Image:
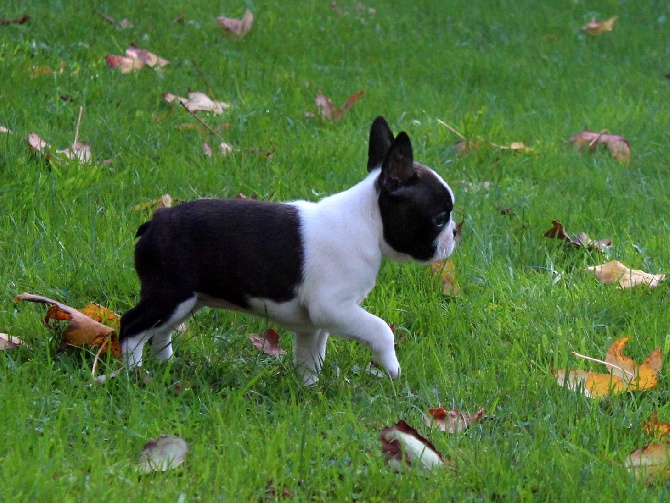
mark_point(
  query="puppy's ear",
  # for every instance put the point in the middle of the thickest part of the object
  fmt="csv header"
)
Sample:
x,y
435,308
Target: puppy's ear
x,y
381,138
398,165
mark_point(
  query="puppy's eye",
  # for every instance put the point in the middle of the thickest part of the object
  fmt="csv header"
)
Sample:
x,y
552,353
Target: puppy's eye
x,y
441,219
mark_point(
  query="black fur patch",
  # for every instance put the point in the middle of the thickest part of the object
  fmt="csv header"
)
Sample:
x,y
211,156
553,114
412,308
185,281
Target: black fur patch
x,y
230,249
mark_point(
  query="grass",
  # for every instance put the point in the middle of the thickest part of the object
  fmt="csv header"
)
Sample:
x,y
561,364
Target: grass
x,y
500,71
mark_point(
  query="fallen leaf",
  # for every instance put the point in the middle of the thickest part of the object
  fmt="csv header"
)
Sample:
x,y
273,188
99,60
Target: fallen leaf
x,y
135,59
403,446
9,342
198,102
237,27
165,201
19,20
82,330
624,374
558,231
78,151
166,453
451,421
617,145
591,384
654,428
267,342
224,149
616,272
447,272
327,109
594,27
3,129
651,463
516,146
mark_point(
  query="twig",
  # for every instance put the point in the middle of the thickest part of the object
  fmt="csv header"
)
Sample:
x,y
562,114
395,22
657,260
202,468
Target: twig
x,y
107,18
200,120
453,130
632,376
96,359
202,76
76,133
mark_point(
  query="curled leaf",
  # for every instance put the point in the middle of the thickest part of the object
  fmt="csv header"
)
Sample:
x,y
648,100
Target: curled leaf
x,y
451,421
237,27
198,102
326,108
558,231
594,27
654,428
403,445
135,59
267,342
82,330
617,145
166,453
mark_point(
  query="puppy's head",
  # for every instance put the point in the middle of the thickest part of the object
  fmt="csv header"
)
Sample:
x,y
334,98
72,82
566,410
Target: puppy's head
x,y
416,204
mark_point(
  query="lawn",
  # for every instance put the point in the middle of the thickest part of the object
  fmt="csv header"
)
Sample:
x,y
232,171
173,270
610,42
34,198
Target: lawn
x,y
496,73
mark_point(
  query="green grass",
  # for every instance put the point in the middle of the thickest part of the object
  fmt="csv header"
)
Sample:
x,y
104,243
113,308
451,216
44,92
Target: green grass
x,y
500,71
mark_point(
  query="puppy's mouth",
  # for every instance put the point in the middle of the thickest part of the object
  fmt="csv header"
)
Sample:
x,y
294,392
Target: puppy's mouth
x,y
447,242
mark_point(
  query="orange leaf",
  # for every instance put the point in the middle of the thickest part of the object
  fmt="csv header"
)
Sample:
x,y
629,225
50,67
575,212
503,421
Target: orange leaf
x,y
653,427
82,330
593,385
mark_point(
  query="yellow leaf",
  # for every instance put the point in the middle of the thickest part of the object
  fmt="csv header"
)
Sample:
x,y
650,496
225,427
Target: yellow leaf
x,y
593,385
616,272
594,27
447,272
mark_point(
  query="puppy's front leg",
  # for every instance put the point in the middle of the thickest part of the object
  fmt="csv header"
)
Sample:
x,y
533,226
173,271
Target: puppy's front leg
x,y
351,321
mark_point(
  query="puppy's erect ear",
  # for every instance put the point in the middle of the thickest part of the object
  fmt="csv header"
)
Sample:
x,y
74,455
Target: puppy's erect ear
x,y
398,165
381,138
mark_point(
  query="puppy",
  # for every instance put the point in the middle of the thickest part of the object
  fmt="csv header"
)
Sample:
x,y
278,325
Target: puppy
x,y
306,266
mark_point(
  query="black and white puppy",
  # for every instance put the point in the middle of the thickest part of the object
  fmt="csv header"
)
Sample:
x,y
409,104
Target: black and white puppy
x,y
306,266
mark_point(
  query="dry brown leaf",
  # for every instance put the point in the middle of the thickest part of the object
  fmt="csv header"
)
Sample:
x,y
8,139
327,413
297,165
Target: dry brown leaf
x,y
224,149
198,102
19,20
78,151
403,446
558,231
9,342
135,59
451,421
326,108
267,342
616,272
594,27
617,145
81,331
237,27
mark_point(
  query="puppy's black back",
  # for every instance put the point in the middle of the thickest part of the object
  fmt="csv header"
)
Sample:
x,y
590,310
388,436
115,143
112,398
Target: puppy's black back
x,y
229,249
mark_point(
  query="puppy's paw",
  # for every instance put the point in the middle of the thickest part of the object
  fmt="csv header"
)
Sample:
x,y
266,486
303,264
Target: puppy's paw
x,y
390,363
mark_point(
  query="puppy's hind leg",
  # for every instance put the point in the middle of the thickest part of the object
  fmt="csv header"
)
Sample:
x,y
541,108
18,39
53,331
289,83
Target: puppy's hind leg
x,y
153,318
309,353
